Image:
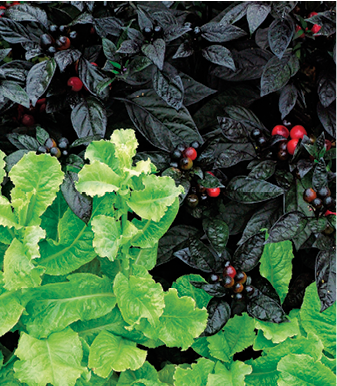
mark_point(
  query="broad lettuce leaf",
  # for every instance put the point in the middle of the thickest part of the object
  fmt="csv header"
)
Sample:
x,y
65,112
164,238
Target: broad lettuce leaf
x,y
10,310
151,203
276,266
19,271
180,322
104,152
298,370
196,375
72,249
55,306
97,179
150,231
322,324
111,352
37,178
2,166
147,371
139,296
30,237
125,146
7,217
234,376
56,360
237,335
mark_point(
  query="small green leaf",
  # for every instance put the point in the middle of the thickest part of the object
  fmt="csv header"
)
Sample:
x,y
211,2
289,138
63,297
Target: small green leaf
x,y
276,266
237,335
55,360
147,371
196,375
185,288
234,376
97,179
10,310
104,152
111,352
7,217
30,237
125,146
151,203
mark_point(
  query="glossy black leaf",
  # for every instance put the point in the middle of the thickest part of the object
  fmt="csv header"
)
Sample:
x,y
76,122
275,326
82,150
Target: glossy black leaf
x,y
234,130
16,70
213,289
236,216
4,52
128,47
144,20
280,34
281,8
26,12
219,313
39,78
85,140
327,116
175,31
175,239
66,57
277,72
264,308
249,65
327,88
320,175
325,274
220,32
209,181
13,32
219,55
14,92
109,49
262,218
256,14
161,124
287,227
263,170
89,118
92,77
303,167
324,243
155,52
79,203
108,26
217,233
245,115
231,157
207,115
261,38
184,50
287,101
194,91
318,224
234,12
201,255
13,158
28,142
248,190
193,261
83,18
169,86
248,254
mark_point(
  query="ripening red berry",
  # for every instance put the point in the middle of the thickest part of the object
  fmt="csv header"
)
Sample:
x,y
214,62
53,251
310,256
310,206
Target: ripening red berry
x,y
41,101
190,152
328,212
93,64
28,120
298,132
210,173
280,130
229,271
309,195
238,287
291,146
186,163
311,14
65,45
75,83
228,282
315,28
240,277
213,192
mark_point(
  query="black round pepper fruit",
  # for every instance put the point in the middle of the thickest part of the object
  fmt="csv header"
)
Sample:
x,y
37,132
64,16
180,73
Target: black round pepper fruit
x,y
176,154
63,143
51,50
214,278
174,164
324,192
238,296
53,28
317,203
328,202
42,150
73,35
195,144
261,141
55,151
192,200
228,282
249,290
255,133
45,41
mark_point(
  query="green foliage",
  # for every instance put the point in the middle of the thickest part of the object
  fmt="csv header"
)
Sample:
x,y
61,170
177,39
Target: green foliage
x,y
80,328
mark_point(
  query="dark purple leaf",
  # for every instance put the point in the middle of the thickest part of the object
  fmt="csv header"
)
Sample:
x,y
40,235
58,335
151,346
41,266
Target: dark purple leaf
x,y
320,175
155,52
263,170
287,100
184,50
280,34
217,233
219,313
234,130
213,289
108,26
325,274
327,88
219,55
26,12
248,254
256,14
327,116
220,32
194,91
66,57
13,32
